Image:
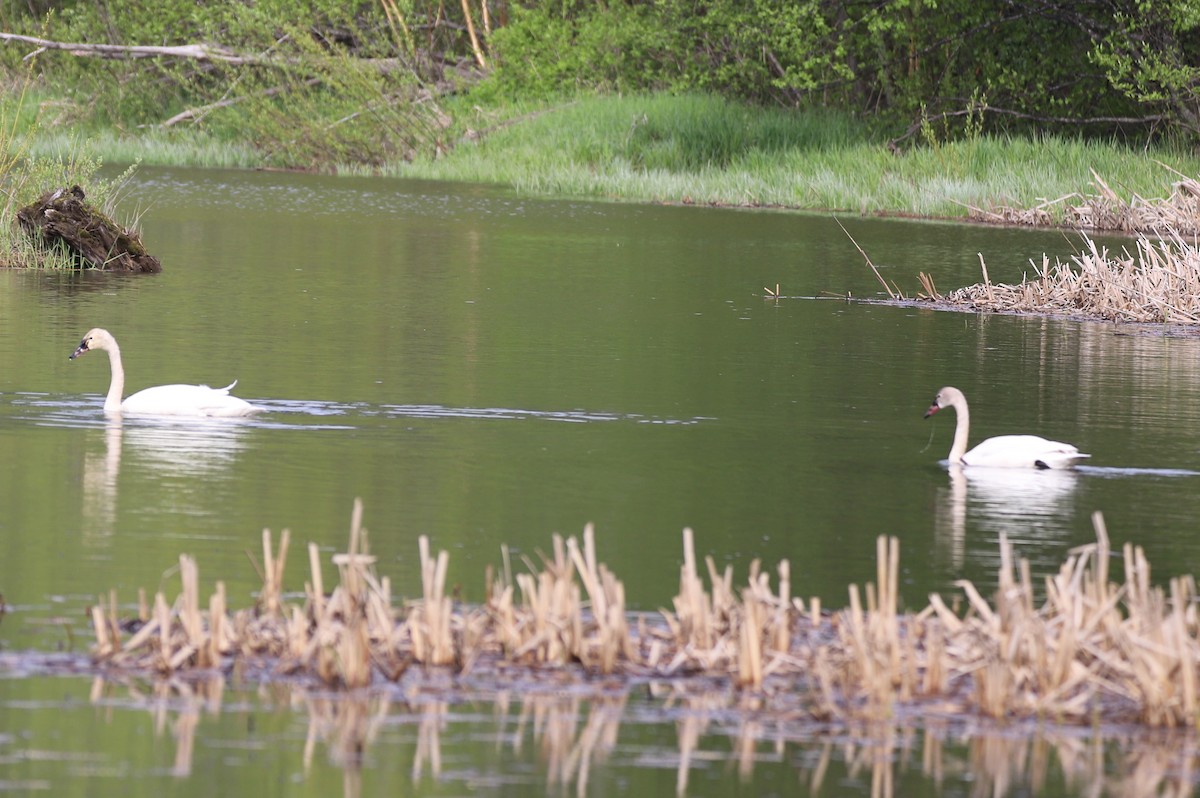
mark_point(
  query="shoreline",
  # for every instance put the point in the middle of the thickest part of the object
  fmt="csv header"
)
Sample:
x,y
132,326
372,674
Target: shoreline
x,y
583,149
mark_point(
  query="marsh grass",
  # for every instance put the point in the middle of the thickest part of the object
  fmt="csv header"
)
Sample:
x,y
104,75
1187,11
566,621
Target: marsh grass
x,y
1157,282
686,149
701,149
190,147
1092,650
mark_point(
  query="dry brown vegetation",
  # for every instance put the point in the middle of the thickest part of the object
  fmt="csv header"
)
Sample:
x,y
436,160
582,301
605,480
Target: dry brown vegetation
x,y
1107,210
1158,282
1092,649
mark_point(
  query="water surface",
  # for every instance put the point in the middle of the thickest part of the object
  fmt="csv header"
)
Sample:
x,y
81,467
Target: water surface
x,y
488,369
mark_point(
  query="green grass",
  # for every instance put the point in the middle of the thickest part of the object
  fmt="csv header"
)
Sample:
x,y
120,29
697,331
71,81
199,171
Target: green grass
x,y
705,150
702,149
152,147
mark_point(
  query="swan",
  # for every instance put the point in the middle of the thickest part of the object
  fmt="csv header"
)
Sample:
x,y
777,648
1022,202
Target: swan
x,y
161,400
1013,451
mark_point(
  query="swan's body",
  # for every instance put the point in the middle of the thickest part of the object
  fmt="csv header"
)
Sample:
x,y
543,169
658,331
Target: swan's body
x,y
162,400
1010,451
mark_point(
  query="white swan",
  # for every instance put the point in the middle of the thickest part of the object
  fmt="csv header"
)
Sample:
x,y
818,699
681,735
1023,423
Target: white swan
x,y
162,400
1012,451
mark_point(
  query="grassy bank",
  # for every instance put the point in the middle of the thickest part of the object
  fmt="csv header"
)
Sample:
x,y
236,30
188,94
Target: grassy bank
x,y
696,149
704,150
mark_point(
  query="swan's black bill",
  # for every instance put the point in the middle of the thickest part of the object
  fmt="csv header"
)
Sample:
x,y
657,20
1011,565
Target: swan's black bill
x,y
82,349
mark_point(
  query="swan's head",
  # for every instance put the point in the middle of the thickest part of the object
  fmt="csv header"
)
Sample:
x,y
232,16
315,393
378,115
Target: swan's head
x,y
95,339
946,397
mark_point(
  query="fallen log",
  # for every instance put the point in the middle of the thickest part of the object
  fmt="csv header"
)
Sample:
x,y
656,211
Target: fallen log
x,y
197,52
61,219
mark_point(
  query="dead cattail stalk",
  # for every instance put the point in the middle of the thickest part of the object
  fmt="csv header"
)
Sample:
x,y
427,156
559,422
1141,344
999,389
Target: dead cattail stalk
x,y
892,293
271,597
1159,283
317,586
1086,647
987,283
429,622
104,643
927,283
750,664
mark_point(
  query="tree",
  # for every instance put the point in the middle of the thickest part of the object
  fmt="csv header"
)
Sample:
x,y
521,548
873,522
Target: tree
x,y
1151,54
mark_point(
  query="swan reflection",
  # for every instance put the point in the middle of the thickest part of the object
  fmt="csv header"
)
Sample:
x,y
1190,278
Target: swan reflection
x,y
99,486
185,447
175,451
1026,504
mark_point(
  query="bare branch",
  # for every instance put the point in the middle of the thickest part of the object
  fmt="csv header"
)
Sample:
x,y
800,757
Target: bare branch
x,y
196,52
1060,120
193,114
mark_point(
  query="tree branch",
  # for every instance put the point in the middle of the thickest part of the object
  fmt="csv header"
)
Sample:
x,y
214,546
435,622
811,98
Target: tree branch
x,y
1059,120
193,114
196,52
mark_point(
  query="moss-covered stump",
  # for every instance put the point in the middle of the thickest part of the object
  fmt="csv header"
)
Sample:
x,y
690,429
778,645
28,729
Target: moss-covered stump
x,y
62,219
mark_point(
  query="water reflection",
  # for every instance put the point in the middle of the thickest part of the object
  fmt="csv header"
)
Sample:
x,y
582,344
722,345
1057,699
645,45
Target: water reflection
x,y
185,447
1029,505
175,451
577,737
99,491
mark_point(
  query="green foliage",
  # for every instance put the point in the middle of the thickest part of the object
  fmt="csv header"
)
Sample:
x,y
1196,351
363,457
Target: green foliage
x,y
322,81
896,60
1152,56
758,51
328,81
543,54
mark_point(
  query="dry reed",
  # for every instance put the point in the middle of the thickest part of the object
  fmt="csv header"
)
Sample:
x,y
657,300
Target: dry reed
x,y
1106,210
1092,649
1158,282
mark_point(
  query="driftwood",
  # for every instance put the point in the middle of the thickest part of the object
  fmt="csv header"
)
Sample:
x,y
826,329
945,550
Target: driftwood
x,y
204,52
196,52
61,219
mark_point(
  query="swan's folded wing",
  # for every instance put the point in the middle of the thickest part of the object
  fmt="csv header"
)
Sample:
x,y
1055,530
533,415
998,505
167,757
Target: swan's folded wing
x,y
187,400
1023,451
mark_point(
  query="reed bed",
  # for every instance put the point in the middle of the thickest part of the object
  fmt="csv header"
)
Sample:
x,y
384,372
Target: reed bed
x,y
1105,209
1159,282
1090,650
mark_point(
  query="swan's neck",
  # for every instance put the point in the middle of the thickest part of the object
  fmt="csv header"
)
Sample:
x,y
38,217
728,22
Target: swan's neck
x,y
112,402
962,427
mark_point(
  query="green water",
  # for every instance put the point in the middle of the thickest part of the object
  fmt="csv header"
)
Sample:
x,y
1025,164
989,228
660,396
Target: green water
x,y
487,369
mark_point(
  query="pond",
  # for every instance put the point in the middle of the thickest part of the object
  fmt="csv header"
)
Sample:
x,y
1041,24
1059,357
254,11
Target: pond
x,y
489,369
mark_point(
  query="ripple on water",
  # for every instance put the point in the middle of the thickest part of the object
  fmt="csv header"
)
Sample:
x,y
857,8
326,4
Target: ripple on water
x,y
60,411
